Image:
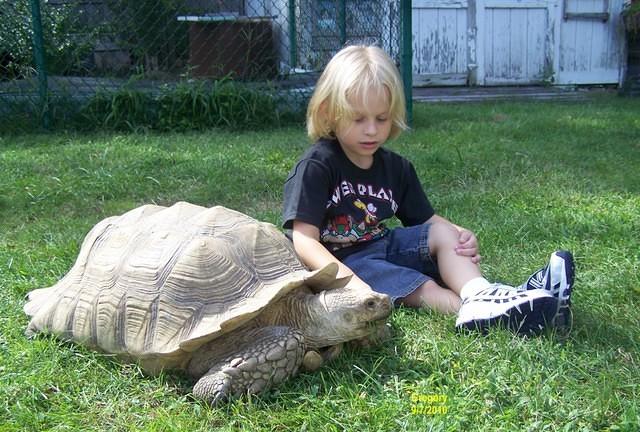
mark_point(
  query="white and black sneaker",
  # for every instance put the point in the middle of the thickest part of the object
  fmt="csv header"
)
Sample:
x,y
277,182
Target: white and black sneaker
x,y
524,312
557,278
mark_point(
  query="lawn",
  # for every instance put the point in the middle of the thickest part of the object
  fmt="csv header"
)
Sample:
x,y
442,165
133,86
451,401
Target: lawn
x,y
527,177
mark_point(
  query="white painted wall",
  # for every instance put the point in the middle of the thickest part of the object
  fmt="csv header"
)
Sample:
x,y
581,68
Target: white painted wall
x,y
590,50
505,42
440,42
514,41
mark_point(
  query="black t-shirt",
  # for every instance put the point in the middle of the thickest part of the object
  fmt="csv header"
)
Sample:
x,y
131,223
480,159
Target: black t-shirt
x,y
348,204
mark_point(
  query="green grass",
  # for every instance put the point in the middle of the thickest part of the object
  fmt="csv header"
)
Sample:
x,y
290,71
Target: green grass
x,y
528,178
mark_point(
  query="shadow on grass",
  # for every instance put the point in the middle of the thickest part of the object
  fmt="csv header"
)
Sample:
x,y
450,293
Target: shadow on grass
x,y
591,331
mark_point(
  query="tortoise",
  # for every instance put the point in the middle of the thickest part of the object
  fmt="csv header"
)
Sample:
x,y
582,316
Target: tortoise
x,y
210,291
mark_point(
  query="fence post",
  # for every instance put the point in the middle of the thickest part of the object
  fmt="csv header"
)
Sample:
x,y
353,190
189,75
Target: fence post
x,y
38,54
407,57
342,21
293,42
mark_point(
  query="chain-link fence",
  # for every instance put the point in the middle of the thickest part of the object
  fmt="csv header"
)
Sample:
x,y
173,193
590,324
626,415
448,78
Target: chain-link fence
x,y
167,64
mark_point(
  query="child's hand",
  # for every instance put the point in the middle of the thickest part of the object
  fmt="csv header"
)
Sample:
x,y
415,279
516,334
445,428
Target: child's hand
x,y
468,246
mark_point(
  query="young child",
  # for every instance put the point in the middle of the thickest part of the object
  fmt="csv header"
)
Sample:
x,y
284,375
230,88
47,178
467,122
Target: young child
x,y
346,185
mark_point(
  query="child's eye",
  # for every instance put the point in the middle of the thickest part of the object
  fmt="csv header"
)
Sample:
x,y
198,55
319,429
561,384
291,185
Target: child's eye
x,y
382,119
358,119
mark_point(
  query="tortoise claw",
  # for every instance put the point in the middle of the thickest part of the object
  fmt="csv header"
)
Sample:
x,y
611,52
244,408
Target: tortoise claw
x,y
312,361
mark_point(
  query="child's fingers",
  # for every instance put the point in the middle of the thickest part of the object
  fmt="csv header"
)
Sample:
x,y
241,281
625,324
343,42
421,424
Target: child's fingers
x,y
468,245
465,236
467,251
467,239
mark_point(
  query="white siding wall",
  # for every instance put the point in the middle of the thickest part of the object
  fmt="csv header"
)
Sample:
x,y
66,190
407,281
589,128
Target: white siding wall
x,y
515,37
590,50
495,42
440,41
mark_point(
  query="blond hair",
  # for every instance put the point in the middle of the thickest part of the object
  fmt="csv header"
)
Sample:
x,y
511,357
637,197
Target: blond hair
x,y
347,80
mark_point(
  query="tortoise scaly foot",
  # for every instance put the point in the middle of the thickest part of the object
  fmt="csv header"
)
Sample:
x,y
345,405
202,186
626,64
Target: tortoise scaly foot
x,y
255,360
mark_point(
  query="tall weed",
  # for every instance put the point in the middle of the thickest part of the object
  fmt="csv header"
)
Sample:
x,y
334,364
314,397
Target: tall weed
x,y
189,105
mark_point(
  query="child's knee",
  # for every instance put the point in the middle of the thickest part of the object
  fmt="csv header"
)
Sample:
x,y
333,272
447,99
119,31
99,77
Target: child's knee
x,y
442,234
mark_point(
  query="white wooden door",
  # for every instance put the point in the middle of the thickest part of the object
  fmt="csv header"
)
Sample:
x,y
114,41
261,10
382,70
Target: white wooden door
x,y
514,41
441,42
590,46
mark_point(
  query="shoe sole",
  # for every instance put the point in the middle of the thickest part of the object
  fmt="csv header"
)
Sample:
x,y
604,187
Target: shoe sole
x,y
520,318
562,318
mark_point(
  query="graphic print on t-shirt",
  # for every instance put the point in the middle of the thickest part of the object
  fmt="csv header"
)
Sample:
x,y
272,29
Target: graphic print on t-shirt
x,y
354,214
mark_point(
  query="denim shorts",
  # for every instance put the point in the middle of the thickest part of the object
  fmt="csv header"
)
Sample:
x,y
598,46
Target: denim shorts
x,y
398,263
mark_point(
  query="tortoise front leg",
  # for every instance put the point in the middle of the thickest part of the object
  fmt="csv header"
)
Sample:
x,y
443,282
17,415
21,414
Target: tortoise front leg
x,y
247,361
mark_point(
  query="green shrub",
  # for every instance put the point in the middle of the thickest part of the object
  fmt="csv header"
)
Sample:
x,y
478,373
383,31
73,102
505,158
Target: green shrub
x,y
186,106
189,105
631,18
67,41
239,106
125,109
17,116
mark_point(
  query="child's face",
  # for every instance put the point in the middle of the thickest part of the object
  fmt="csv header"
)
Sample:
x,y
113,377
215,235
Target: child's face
x,y
363,135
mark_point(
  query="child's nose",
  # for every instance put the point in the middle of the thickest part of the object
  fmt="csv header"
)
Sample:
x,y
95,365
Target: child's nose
x,y
371,128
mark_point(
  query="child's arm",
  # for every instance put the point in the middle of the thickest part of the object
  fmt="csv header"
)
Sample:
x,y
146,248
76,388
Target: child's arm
x,y
306,242
467,241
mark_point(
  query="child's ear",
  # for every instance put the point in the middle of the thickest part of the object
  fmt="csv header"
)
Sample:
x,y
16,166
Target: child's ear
x,y
323,109
328,122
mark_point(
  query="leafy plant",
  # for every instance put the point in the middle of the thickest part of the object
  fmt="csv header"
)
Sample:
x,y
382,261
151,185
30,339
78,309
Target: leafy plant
x,y
126,109
237,105
15,39
189,105
185,106
67,40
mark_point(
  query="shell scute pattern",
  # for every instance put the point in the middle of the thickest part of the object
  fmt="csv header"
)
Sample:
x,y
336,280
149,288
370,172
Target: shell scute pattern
x,y
142,283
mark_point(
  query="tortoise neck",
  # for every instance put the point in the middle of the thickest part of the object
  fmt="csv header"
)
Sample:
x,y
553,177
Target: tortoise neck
x,y
304,311
318,321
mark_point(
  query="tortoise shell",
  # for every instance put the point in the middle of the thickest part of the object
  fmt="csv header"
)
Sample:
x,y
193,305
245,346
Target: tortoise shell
x,y
158,282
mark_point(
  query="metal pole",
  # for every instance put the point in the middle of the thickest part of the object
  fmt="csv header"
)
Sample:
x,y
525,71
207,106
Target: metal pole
x,y
293,48
38,54
342,21
407,57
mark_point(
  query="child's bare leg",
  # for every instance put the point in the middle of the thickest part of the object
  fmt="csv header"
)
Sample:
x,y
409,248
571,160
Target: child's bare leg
x,y
481,308
455,270
435,297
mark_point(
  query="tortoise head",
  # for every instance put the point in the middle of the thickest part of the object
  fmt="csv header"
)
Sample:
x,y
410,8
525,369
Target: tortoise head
x,y
328,310
338,315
